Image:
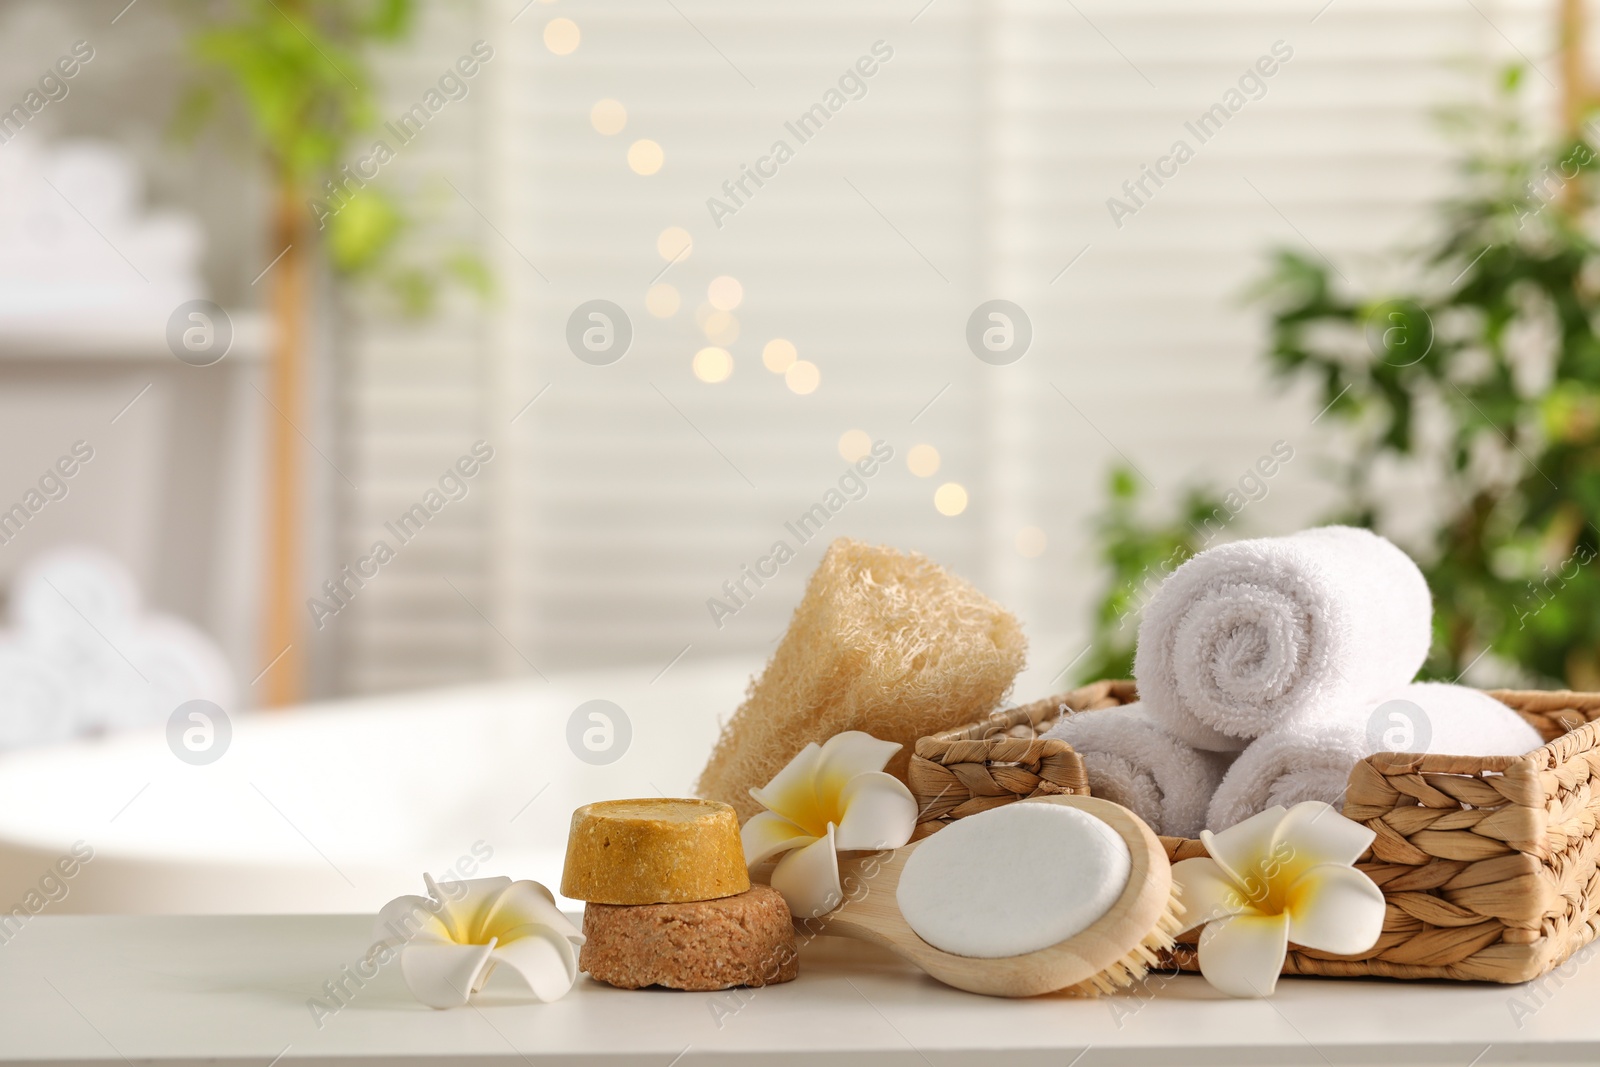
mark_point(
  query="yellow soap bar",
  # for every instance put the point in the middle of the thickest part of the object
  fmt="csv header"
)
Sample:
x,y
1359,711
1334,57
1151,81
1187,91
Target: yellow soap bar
x,y
654,851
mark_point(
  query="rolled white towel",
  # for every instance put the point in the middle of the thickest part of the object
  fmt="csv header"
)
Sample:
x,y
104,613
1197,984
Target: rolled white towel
x,y
1132,761
76,590
1249,636
35,699
1313,761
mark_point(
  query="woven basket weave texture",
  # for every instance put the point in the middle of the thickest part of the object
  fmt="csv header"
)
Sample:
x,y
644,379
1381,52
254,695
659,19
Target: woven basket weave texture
x,y
1487,864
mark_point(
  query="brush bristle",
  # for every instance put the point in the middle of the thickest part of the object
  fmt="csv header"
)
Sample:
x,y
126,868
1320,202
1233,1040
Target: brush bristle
x,y
1132,968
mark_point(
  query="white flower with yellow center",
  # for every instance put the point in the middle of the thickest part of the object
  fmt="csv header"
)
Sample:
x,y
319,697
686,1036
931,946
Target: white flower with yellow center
x,y
831,798
1278,877
451,940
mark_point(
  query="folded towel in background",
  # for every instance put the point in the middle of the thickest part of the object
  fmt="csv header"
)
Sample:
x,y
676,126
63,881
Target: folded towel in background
x,y
1134,762
1312,761
1254,635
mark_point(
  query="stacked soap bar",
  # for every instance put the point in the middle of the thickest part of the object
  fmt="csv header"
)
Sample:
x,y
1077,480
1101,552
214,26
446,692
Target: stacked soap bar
x,y
669,901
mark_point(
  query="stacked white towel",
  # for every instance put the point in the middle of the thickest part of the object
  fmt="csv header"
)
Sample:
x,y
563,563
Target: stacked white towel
x,y
1267,670
1133,761
83,655
1254,635
1312,761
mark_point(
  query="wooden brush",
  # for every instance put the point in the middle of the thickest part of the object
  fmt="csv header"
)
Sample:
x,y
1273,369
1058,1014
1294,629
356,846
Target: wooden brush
x,y
1113,952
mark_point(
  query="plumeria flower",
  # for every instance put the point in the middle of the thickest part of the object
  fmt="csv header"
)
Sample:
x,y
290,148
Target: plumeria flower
x,y
451,940
1277,877
831,798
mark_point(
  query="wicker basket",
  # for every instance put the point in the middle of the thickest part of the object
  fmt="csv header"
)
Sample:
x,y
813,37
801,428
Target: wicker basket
x,y
1487,864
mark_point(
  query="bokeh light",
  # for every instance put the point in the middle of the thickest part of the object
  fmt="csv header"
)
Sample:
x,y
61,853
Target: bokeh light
x,y
713,365
950,498
721,328
645,157
854,445
802,377
1030,542
561,36
923,460
725,292
779,355
608,116
674,244
662,300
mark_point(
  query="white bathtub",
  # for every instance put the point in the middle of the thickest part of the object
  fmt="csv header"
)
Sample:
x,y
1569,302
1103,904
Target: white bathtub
x,y
338,807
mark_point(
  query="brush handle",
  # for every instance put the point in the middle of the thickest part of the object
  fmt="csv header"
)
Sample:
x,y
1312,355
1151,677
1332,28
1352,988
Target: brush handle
x,y
871,913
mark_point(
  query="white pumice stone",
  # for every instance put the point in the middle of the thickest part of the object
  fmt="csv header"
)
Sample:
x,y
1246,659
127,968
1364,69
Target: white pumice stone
x,y
1013,880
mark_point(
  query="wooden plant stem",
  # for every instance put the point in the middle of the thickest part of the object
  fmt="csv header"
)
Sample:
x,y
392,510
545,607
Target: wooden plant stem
x,y
281,630
1571,32
1572,27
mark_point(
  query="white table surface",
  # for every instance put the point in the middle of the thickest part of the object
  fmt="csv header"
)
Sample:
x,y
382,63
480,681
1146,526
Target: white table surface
x,y
234,990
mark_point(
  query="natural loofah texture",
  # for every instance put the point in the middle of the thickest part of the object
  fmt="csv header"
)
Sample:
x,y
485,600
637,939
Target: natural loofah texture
x,y
884,642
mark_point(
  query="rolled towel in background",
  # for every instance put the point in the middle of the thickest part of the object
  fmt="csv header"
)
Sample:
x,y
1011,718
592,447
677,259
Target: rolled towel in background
x,y
1249,636
1134,762
1312,761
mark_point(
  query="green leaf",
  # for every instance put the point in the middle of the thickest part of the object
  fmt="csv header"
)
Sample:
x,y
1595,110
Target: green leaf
x,y
470,269
363,230
391,19
1514,463
415,289
296,76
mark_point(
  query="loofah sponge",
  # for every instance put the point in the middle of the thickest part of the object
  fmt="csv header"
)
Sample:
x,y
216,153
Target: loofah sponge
x,y
883,641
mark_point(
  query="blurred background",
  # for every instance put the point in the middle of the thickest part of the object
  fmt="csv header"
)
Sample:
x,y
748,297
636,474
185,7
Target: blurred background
x,y
573,307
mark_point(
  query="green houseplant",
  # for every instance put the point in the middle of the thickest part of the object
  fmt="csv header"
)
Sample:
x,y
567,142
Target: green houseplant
x,y
293,80
1484,373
